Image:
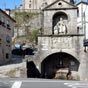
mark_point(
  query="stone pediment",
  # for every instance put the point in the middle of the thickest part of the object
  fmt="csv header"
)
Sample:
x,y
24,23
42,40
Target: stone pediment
x,y
60,5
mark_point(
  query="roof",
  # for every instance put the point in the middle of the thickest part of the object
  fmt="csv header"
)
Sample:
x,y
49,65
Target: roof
x,y
60,0
7,15
82,2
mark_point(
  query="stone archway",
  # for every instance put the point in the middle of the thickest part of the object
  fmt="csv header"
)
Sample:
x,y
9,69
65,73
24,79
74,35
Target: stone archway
x,y
56,61
56,19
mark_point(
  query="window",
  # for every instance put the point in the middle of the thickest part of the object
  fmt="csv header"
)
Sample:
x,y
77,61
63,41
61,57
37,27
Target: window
x,y
3,21
30,1
59,3
8,39
7,55
29,5
0,41
77,13
0,20
77,30
8,24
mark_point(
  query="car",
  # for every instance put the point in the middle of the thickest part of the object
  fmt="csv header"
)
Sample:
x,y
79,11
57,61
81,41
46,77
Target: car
x,y
17,52
28,51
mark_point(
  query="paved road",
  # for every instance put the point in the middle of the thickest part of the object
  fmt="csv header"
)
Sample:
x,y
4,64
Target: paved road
x,y
39,83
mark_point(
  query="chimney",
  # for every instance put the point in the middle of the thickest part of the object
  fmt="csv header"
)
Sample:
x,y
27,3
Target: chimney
x,y
8,11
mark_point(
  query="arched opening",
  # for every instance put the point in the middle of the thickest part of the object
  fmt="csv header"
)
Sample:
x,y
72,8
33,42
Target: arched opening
x,y
54,62
57,17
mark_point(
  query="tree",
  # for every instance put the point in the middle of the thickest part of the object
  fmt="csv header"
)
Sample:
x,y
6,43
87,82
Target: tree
x,y
33,35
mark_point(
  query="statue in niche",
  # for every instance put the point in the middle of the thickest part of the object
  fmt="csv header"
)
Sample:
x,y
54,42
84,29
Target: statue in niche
x,y
60,27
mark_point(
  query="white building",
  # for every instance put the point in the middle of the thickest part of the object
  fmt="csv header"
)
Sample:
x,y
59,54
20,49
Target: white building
x,y
83,17
6,34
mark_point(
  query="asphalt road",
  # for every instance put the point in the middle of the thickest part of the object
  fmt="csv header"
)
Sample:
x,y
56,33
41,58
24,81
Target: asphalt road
x,y
41,83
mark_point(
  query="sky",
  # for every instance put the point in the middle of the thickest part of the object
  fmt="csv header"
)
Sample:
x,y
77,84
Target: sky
x,y
11,4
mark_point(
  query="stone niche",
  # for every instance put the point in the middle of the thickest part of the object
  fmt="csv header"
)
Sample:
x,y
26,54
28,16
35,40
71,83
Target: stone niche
x,y
60,17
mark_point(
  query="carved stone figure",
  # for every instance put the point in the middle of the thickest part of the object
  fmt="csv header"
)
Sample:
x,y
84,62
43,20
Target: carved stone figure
x,y
60,27
56,31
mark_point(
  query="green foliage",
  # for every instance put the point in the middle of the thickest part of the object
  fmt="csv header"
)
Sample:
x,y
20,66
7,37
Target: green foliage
x,y
22,17
33,35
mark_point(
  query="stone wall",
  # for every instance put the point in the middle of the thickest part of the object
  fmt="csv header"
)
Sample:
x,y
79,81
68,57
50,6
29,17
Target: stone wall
x,y
72,45
71,22
14,70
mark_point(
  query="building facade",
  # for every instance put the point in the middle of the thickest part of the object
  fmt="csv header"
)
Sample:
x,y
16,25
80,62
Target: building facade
x,y
6,34
60,44
37,4
83,18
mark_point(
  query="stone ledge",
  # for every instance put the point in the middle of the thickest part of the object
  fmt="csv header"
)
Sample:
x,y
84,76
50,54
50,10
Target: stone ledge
x,y
61,35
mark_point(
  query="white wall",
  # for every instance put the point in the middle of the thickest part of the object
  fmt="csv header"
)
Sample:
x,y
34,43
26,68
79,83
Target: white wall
x,y
79,20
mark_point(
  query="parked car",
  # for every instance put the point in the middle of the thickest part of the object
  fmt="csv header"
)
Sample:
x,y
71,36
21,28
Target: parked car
x,y
17,52
28,51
